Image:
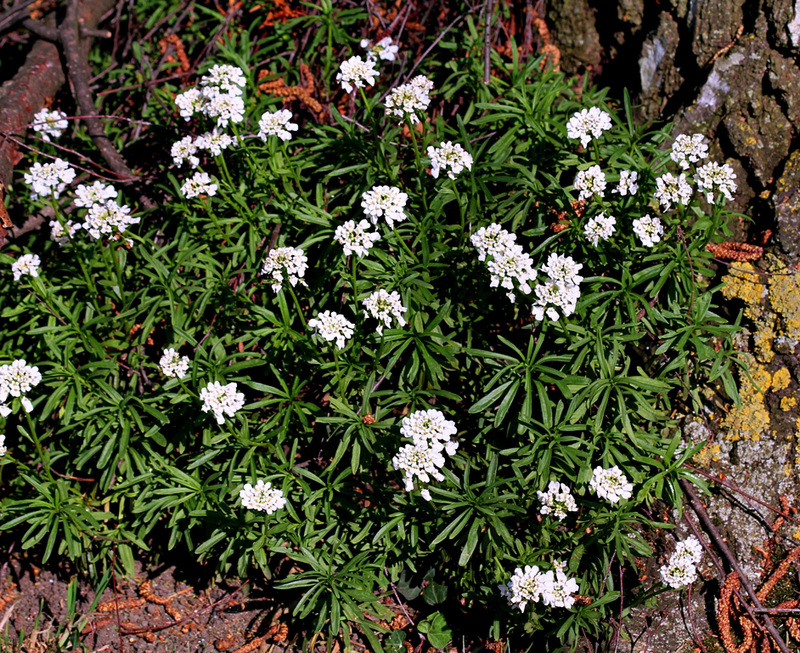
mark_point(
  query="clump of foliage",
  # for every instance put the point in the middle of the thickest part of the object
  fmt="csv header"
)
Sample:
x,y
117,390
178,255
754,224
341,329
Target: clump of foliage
x,y
128,450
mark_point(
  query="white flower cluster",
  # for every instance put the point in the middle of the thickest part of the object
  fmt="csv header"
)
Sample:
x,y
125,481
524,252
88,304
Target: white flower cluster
x,y
600,227
262,497
355,238
385,306
173,364
16,380
509,262
285,263
220,97
198,184
3,448
85,195
552,588
405,100
558,500
383,49
108,218
682,566
60,235
276,123
588,123
423,459
687,149
355,72
49,179
627,183
424,427
214,141
449,156
713,176
590,182
610,484
386,201
185,150
672,190
649,230
333,326
221,400
27,265
561,289
50,123
492,241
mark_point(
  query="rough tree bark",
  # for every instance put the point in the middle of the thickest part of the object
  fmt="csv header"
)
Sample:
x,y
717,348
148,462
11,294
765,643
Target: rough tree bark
x,y
724,68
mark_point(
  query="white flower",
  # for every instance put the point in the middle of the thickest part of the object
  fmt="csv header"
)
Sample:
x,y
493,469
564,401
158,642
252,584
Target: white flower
x,y
50,123
590,182
557,589
672,190
383,48
108,218
356,72
190,102
599,228
85,196
276,123
450,157
688,148
714,176
285,262
16,380
627,183
198,184
649,230
228,79
428,427
405,100
386,201
333,326
385,306
27,265
173,364
559,295
511,264
524,586
49,179
354,238
492,241
262,497
3,448
557,500
419,461
610,484
225,107
213,141
563,269
185,150
59,235
221,400
682,566
588,123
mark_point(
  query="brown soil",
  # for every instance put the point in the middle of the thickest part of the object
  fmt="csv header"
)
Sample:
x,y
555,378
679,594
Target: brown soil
x,y
164,615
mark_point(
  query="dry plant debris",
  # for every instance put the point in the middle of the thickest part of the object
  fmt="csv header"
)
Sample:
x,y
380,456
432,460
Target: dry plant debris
x,y
304,92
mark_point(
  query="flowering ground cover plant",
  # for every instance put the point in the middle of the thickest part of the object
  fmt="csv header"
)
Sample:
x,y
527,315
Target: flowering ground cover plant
x,y
407,347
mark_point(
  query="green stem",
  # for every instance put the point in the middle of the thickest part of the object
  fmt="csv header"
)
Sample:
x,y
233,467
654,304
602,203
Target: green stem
x,y
461,213
39,449
418,160
354,258
222,165
297,306
338,370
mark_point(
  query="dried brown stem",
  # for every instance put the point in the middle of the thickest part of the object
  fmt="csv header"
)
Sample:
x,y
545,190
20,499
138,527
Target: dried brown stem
x,y
694,501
